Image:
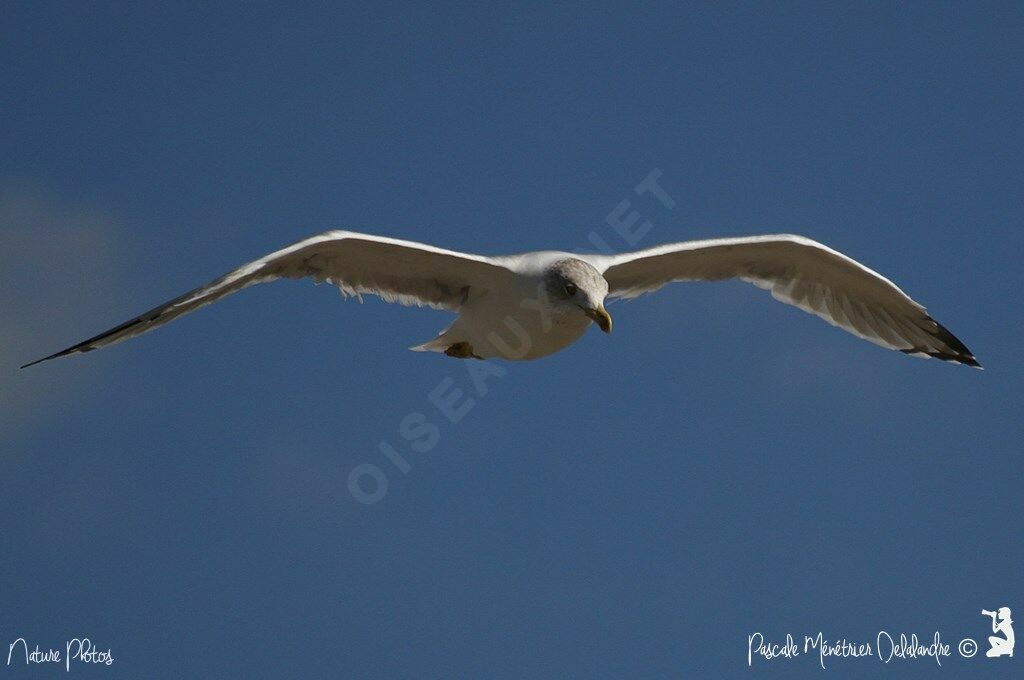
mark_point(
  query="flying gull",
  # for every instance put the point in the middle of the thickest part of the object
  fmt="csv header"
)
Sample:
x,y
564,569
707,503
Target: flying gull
x,y
527,306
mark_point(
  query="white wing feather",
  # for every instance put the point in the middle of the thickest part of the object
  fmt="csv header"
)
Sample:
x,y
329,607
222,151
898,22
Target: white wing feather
x,y
797,271
397,271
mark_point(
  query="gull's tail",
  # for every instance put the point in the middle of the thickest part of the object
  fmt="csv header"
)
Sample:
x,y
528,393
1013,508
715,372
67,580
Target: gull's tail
x,y
442,342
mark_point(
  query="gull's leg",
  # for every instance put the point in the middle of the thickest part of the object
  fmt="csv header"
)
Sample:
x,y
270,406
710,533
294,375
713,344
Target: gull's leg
x,y
461,350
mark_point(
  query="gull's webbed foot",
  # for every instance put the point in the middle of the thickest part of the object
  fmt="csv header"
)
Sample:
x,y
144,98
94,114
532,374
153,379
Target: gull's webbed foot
x,y
461,350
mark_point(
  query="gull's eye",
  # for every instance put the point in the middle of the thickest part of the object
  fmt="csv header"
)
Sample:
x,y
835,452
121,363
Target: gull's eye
x,y
570,289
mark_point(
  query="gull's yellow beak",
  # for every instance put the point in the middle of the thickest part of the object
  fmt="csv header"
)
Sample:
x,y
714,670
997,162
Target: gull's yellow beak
x,y
601,318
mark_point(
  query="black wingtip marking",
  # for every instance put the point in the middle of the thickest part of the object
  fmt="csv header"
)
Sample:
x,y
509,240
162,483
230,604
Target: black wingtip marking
x,y
39,361
90,344
957,352
63,353
75,349
966,360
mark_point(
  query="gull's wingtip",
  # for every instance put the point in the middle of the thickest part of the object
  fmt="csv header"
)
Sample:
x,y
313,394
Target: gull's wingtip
x,y
39,361
962,359
951,348
63,353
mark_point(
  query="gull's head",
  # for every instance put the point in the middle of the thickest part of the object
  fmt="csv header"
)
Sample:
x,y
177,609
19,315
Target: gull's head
x,y
575,287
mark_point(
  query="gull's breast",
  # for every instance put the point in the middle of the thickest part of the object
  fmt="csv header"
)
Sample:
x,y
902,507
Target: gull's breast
x,y
518,325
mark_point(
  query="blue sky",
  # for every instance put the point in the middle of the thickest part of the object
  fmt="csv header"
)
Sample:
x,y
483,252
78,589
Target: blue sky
x,y
635,507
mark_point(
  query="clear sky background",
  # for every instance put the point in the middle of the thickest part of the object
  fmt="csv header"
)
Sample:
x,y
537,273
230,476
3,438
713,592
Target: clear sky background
x,y
633,507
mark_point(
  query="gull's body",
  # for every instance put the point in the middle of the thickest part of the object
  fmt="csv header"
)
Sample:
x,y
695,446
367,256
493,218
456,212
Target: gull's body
x,y
516,321
527,306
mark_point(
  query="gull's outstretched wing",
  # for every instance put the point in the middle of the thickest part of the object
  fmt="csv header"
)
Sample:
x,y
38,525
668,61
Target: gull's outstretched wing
x,y
797,271
397,271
